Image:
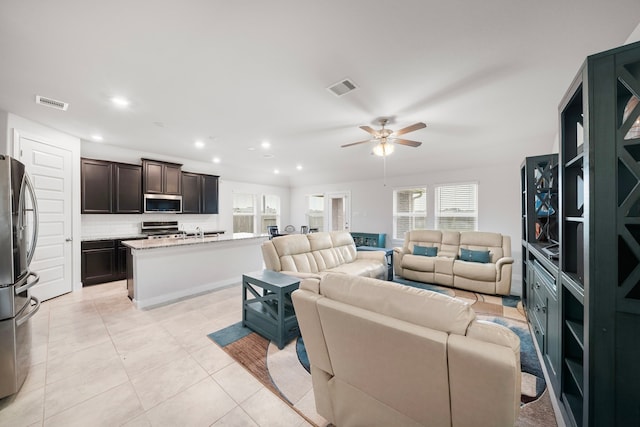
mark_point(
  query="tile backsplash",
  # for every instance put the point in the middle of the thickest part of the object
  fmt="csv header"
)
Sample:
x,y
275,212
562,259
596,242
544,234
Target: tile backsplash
x,y
129,225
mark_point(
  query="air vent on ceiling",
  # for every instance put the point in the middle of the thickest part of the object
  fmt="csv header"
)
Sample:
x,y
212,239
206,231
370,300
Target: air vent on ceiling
x,y
342,87
53,103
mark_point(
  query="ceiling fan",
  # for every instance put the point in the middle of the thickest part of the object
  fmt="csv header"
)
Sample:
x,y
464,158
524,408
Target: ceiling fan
x,y
386,138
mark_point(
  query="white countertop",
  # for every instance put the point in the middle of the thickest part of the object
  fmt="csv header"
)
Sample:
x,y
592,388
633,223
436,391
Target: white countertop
x,y
167,243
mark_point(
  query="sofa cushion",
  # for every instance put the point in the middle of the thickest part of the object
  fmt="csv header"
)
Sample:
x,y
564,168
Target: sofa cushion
x,y
425,250
418,262
474,270
418,306
474,256
361,267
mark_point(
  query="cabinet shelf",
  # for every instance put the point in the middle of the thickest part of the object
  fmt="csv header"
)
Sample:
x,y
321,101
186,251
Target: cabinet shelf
x,y
576,161
577,330
576,370
574,219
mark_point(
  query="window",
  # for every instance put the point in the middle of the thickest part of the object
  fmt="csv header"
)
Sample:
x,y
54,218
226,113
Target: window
x,y
244,212
270,212
315,212
409,210
457,207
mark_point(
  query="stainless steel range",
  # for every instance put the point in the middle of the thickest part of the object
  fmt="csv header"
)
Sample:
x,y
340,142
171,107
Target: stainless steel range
x,y
18,236
161,229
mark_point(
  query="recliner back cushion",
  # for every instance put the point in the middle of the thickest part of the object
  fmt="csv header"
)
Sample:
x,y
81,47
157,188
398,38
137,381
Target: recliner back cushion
x,y
295,253
425,238
483,241
418,306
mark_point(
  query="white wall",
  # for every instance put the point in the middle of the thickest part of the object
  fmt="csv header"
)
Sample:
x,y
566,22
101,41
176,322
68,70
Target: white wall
x,y
372,203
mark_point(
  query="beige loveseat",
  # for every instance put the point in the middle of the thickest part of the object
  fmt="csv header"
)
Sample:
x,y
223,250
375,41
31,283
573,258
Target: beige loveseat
x,y
311,255
493,277
384,354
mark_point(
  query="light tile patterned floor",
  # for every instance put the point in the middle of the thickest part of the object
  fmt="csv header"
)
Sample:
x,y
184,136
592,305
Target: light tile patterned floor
x,y
99,361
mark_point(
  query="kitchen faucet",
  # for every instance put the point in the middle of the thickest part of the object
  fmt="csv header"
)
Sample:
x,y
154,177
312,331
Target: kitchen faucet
x,y
199,232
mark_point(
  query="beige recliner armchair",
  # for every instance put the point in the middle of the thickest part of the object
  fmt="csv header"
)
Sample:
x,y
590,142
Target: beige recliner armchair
x,y
384,354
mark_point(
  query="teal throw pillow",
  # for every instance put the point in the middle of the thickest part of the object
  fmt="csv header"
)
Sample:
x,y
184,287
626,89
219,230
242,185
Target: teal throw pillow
x,y
425,250
475,256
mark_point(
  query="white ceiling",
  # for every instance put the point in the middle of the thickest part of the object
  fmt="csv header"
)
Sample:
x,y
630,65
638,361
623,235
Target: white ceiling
x,y
486,77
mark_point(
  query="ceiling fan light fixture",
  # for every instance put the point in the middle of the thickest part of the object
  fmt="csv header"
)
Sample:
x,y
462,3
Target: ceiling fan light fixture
x,y
383,149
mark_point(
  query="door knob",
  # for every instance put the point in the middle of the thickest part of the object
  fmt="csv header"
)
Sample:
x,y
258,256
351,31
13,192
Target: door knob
x,y
68,239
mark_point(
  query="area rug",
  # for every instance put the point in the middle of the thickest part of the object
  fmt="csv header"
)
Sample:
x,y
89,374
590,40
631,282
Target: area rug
x,y
286,372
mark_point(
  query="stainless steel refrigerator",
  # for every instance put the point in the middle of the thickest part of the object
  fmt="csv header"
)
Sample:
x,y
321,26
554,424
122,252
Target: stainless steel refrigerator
x,y
18,236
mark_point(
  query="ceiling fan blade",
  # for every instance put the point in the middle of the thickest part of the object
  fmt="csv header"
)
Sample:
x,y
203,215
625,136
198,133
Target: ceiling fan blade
x,y
407,142
370,130
355,143
411,128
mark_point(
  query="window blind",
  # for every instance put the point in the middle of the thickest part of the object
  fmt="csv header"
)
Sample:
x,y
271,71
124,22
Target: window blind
x,y
457,207
409,210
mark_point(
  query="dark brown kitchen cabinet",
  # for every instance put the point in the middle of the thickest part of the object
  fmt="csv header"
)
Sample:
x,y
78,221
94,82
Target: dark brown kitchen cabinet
x,y
128,188
161,177
103,261
199,193
191,193
210,194
109,187
96,186
98,261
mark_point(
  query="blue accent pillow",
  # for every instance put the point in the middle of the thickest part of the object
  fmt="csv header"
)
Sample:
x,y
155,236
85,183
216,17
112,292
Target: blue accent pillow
x,y
475,256
425,250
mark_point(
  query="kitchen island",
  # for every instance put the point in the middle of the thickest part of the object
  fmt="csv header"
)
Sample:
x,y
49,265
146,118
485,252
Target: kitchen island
x,y
164,270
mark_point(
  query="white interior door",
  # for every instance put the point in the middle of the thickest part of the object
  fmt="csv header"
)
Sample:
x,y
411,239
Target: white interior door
x,y
339,211
50,169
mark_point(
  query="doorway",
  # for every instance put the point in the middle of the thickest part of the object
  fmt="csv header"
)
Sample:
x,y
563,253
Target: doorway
x,y
339,211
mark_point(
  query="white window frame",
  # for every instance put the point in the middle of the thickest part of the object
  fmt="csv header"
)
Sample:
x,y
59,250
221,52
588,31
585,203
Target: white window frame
x,y
415,217
438,224
318,218
253,214
264,214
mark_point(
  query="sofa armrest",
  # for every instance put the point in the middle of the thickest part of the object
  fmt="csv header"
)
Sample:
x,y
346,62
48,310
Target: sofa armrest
x,y
301,275
399,251
502,261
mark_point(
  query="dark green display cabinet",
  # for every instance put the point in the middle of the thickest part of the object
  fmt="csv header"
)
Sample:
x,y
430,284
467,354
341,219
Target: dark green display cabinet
x,y
599,278
540,254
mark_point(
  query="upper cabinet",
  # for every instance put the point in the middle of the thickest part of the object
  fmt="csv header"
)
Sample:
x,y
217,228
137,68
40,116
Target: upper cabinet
x,y
191,192
199,193
161,177
109,187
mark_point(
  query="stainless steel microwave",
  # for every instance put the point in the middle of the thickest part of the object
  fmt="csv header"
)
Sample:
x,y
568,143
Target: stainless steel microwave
x,y
162,203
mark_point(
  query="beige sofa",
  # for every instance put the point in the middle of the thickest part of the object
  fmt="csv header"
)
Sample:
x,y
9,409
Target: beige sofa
x,y
493,277
384,354
311,255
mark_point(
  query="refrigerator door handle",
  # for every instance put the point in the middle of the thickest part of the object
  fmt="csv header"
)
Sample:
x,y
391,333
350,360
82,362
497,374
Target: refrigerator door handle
x,y
31,313
27,285
34,204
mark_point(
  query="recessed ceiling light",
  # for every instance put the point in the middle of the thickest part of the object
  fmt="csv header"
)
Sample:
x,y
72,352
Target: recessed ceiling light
x,y
276,171
265,144
299,167
268,156
216,160
120,101
251,148
97,137
199,144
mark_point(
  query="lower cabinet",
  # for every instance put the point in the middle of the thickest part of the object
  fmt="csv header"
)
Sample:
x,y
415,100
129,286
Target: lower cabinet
x,y
103,261
544,314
